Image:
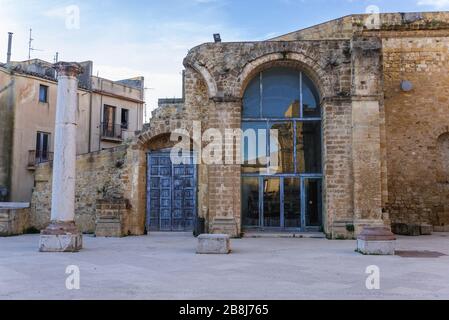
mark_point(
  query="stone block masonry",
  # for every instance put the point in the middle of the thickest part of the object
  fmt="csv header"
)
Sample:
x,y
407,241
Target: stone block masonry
x,y
112,217
214,244
14,219
417,124
102,177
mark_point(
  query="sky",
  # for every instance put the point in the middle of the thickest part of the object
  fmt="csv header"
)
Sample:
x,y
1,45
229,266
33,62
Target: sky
x,y
150,38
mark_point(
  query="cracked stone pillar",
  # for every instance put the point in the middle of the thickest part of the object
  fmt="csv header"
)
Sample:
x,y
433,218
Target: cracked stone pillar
x,y
62,235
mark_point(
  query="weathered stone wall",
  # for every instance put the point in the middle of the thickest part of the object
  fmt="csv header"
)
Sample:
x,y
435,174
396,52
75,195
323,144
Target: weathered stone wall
x,y
416,122
109,174
346,27
215,80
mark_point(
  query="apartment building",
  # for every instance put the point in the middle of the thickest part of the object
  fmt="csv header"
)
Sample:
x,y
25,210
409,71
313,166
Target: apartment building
x,y
109,113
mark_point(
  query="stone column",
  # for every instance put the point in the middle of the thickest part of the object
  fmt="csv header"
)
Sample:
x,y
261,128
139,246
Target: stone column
x,y
367,95
62,235
224,180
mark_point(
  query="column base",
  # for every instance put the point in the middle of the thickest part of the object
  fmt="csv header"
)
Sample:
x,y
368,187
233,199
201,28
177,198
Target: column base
x,y
61,237
376,241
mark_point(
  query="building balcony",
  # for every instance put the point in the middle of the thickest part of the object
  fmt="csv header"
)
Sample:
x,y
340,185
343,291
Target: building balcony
x,y
37,157
112,132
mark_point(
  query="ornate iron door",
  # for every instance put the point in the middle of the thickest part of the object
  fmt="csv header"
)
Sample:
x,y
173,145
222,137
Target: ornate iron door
x,y
171,193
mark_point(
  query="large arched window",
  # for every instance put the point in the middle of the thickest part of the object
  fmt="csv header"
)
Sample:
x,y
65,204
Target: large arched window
x,y
284,100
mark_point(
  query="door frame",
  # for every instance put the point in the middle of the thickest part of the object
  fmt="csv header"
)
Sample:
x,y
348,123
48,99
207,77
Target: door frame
x,y
162,153
302,199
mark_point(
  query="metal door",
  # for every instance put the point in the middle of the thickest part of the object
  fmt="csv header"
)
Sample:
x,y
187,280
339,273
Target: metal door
x,y
171,193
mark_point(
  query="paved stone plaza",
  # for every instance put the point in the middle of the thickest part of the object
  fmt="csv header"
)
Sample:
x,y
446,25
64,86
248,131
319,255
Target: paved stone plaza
x,y
165,266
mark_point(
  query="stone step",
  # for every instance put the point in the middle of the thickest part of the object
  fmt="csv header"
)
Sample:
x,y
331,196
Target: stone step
x,y
287,235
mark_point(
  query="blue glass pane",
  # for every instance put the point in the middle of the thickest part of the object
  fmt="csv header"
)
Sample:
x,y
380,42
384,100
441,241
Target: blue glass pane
x,y
310,98
251,99
43,93
250,202
308,146
255,141
282,148
280,97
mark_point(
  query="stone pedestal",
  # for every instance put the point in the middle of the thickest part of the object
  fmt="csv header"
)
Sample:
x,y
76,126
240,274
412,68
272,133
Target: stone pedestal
x,y
61,237
214,244
110,215
14,218
376,241
62,234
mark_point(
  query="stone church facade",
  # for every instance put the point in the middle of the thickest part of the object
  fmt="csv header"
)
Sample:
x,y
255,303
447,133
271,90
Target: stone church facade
x,y
365,143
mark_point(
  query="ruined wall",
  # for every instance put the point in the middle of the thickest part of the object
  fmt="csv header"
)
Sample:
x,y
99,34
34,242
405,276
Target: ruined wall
x,y
215,80
341,28
6,133
227,68
348,26
416,124
109,174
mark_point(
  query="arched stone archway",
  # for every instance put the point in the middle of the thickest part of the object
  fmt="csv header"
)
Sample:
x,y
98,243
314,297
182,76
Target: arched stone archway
x,y
293,60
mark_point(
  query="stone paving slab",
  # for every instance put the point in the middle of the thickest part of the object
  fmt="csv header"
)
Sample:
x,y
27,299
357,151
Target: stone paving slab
x,y
163,266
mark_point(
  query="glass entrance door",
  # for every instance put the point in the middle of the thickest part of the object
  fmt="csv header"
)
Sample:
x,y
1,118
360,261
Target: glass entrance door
x,y
285,203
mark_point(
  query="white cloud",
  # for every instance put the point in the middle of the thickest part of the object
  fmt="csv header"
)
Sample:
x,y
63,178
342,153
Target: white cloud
x,y
436,4
119,46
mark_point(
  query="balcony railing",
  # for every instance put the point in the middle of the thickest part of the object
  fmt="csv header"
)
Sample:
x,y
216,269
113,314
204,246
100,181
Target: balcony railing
x,y
111,131
36,157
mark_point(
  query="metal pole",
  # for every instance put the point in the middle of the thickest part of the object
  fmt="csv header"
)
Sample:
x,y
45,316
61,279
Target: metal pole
x,y
8,59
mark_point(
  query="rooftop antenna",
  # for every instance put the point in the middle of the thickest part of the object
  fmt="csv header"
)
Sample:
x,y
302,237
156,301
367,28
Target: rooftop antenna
x,y
56,58
8,58
30,45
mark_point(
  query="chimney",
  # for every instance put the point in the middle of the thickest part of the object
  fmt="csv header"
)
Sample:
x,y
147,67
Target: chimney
x,y
8,57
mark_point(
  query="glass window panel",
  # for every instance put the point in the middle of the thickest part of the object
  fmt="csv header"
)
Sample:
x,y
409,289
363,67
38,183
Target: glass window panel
x,y
251,99
292,202
281,94
45,146
250,201
272,203
313,202
310,99
308,147
282,148
43,93
254,147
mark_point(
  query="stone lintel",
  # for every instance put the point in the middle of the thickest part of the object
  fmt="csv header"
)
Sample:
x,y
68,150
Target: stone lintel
x,y
225,99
